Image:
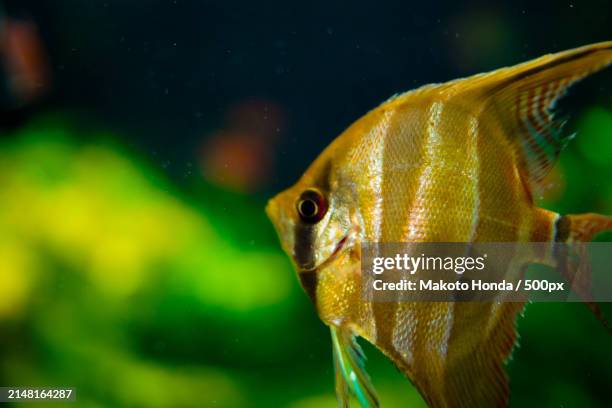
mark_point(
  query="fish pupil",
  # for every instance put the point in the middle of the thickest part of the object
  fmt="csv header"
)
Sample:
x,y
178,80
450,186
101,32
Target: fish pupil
x,y
308,208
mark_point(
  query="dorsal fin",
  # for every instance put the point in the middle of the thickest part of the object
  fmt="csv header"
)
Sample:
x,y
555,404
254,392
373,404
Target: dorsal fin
x,y
524,96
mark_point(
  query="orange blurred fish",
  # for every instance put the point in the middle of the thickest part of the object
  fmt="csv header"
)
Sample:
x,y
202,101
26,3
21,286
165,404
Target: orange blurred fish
x,y
24,58
454,162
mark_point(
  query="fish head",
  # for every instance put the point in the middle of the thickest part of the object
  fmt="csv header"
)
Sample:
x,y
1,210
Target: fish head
x,y
315,220
311,219
321,220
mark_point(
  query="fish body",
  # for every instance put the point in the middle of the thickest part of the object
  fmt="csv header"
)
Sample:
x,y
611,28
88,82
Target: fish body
x,y
453,162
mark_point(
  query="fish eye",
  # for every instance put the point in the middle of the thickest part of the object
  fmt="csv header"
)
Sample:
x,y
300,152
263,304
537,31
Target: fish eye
x,y
311,206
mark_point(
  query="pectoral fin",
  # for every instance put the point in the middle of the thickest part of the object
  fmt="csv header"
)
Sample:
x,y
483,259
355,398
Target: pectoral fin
x,y
349,365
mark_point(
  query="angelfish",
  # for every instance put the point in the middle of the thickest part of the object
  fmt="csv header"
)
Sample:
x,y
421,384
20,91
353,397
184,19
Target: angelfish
x,y
454,162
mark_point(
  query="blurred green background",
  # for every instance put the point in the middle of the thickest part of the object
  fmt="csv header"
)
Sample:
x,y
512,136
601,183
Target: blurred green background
x,y
138,146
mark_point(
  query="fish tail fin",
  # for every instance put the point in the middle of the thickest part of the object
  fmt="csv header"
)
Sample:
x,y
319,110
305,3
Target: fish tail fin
x,y
583,227
575,230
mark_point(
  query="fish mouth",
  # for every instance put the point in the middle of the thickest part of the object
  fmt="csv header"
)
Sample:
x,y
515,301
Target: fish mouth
x,y
309,276
339,246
